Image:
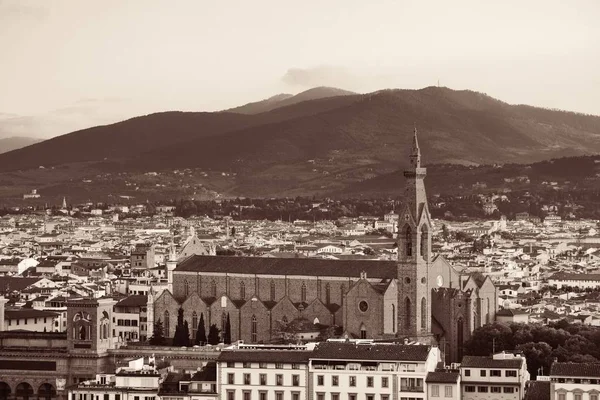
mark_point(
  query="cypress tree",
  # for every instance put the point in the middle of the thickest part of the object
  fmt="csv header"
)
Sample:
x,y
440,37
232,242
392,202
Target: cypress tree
x,y
201,333
158,338
213,334
227,333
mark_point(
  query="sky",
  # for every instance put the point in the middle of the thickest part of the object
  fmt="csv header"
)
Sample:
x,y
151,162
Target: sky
x,y
71,64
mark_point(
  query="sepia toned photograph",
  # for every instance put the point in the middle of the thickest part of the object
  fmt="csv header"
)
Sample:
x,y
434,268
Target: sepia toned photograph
x,y
313,200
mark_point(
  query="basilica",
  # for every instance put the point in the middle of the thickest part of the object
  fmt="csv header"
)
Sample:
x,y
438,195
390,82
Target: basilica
x,y
420,297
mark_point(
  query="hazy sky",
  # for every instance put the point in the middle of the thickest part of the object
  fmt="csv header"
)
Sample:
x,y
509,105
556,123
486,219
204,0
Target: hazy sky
x,y
71,64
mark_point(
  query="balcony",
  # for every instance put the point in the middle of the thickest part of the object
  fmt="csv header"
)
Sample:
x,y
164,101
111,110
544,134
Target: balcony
x,y
416,389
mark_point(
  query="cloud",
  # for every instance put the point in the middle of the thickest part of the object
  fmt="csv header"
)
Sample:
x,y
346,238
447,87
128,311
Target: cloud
x,y
321,76
23,9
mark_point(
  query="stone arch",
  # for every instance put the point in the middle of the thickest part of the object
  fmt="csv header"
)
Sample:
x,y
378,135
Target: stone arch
x,y
5,391
23,391
46,392
363,331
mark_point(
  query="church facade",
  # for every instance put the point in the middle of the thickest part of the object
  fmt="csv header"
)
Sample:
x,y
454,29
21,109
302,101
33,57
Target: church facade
x,y
419,297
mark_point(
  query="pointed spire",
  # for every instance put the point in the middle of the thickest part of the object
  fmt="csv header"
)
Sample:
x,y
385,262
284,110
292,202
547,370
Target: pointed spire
x,y
415,156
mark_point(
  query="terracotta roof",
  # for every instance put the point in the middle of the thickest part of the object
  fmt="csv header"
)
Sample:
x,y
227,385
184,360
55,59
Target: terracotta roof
x,y
442,377
537,390
590,370
28,313
288,266
9,283
489,362
282,356
379,352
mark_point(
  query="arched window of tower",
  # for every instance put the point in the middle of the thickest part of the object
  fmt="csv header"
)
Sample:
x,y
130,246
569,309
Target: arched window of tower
x,y
424,241
407,312
408,240
424,314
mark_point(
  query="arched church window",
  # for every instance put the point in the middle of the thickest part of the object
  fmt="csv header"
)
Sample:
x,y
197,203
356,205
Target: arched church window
x,y
327,293
272,290
423,314
408,241
393,318
303,293
186,288
82,333
223,322
363,331
424,241
213,288
242,290
167,325
459,337
254,329
407,313
194,324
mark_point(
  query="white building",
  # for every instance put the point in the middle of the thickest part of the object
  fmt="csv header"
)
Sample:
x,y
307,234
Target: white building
x,y
30,319
136,381
582,281
571,381
334,370
500,377
443,385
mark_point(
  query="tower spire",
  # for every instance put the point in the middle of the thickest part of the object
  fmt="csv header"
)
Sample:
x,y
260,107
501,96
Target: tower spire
x,y
415,154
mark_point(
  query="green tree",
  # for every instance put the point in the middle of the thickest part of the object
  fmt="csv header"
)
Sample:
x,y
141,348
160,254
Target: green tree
x,y
182,332
539,357
227,333
158,338
213,334
489,338
201,332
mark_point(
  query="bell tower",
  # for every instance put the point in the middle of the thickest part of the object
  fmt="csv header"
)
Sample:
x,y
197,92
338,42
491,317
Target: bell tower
x,y
414,253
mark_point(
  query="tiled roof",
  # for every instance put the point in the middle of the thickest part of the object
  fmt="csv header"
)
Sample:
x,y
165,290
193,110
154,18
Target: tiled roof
x,y
442,377
374,352
489,362
288,266
28,313
9,283
282,356
564,276
537,390
590,370
507,312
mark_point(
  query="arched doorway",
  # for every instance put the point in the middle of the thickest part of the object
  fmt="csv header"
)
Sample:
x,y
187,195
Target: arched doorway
x,y
46,391
24,391
4,391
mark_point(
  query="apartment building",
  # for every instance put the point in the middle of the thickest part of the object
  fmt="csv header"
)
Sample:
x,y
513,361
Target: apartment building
x,y
500,377
335,370
443,385
263,373
575,381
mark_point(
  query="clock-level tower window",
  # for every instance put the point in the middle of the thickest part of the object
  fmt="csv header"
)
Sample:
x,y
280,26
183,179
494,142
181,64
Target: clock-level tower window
x,y
408,240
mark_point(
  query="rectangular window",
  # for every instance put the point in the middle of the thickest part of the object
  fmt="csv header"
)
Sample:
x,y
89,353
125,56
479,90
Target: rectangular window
x,y
231,395
278,395
352,381
562,396
369,381
230,379
246,395
117,397
470,389
279,366
370,397
295,380
334,381
351,396
295,366
246,379
577,396
467,372
511,373
295,396
230,364
262,365
482,389
320,396
509,390
335,396
435,391
495,372
593,397
247,365
496,389
483,372
263,379
262,396
279,380
320,380
384,382
385,397
106,396
448,391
